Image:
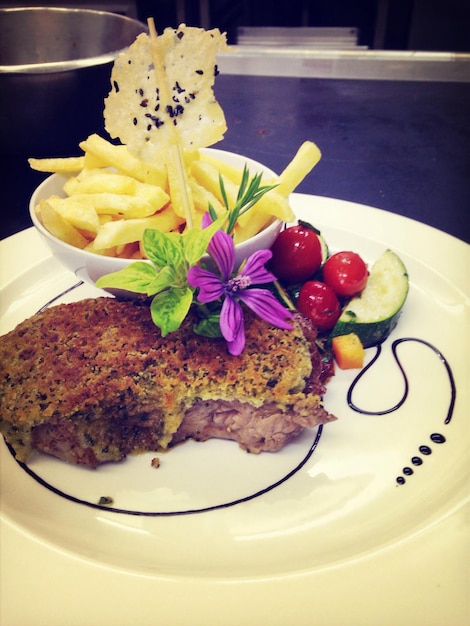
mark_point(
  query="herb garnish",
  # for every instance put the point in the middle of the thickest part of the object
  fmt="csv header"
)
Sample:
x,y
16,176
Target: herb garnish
x,y
177,281
248,195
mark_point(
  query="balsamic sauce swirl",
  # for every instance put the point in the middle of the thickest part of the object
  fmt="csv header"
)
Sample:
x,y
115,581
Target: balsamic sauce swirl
x,y
436,438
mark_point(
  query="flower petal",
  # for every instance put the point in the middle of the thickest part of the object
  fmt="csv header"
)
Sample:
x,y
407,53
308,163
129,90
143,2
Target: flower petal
x,y
222,250
232,326
210,286
206,220
254,268
265,305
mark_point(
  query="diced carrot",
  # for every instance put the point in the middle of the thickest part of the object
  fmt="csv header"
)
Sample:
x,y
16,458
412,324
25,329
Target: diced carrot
x,y
348,351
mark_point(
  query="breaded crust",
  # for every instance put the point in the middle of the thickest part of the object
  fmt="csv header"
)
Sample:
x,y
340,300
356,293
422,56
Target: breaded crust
x,y
104,359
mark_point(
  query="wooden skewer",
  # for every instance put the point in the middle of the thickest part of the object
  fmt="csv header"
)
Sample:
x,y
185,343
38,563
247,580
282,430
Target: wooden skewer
x,y
165,96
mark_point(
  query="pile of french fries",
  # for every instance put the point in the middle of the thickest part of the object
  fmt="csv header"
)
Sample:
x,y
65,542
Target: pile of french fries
x,y
111,196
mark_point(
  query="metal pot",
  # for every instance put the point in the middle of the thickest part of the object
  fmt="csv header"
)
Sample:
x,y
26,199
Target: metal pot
x,y
55,67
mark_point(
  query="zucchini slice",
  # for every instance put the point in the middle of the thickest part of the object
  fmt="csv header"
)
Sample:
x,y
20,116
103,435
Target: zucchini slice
x,y
325,251
374,313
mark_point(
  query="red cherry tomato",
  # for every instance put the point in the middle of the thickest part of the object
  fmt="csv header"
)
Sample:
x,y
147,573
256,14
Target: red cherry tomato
x,y
346,273
297,254
318,302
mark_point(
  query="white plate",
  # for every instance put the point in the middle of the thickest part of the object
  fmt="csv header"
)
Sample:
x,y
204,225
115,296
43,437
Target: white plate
x,y
344,515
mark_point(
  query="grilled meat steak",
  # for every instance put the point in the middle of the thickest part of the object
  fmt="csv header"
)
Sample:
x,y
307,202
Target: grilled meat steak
x,y
93,381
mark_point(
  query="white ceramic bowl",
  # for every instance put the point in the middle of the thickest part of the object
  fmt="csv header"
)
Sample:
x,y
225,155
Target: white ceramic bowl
x,y
89,266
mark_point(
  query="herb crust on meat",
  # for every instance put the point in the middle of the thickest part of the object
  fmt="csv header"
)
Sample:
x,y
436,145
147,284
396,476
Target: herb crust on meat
x,y
93,381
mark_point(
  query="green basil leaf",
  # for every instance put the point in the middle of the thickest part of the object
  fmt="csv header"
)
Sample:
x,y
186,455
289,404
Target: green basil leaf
x,y
170,307
162,248
195,240
164,278
134,277
209,327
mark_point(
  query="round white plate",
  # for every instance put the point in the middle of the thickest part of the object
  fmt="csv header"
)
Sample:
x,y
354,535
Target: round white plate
x,y
391,471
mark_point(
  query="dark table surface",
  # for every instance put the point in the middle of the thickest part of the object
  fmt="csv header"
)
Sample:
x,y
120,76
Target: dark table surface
x,y
399,146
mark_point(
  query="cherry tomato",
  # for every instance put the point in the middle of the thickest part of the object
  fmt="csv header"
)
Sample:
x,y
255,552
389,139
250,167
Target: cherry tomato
x,y
318,302
297,254
346,273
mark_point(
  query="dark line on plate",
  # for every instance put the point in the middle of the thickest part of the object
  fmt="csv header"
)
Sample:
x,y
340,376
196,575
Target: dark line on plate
x,y
55,298
395,345
206,509
436,438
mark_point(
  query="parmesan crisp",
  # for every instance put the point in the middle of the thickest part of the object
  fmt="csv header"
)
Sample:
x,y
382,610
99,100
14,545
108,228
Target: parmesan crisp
x,y
144,114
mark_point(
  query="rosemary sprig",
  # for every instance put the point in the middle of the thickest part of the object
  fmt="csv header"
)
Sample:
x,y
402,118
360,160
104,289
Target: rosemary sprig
x,y
249,192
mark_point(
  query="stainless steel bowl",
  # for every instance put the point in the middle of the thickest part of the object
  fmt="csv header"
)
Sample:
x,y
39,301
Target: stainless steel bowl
x,y
55,66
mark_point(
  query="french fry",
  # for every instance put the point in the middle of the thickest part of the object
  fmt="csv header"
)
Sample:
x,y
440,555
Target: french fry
x,y
99,180
59,226
104,218
154,195
305,159
257,222
120,232
226,169
120,158
92,161
58,165
113,196
127,251
202,197
189,156
207,175
115,204
80,213
272,204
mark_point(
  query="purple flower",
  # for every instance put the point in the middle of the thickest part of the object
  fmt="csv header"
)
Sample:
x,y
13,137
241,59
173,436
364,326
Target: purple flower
x,y
238,288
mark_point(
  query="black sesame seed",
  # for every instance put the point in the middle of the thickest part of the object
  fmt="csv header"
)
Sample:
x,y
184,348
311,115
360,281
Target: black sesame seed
x,y
175,111
157,121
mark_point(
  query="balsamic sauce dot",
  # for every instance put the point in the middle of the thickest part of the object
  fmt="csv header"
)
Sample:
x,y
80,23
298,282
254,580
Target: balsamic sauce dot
x,y
407,471
401,480
437,438
425,450
416,460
